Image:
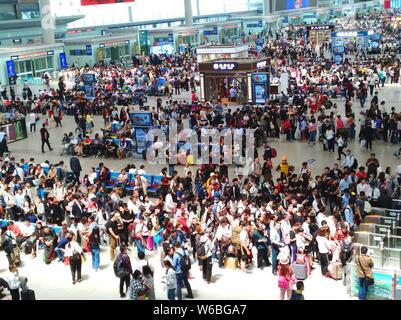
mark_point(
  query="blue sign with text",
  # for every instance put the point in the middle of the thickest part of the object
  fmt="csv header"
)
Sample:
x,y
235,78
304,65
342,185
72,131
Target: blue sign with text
x,y
88,50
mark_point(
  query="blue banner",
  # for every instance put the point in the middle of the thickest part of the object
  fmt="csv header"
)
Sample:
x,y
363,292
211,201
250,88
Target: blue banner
x,y
88,50
260,22
339,49
170,38
63,61
10,68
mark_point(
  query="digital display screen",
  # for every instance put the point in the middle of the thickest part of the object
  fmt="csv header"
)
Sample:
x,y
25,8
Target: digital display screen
x,y
282,5
97,2
141,119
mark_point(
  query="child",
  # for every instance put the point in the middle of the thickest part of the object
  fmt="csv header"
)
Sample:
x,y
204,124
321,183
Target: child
x,y
297,294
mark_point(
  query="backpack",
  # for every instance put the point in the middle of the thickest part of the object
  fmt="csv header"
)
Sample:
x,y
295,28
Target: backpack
x,y
274,153
119,269
185,262
201,250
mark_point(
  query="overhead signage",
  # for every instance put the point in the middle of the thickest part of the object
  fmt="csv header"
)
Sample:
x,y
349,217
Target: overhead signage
x,y
225,66
261,65
100,2
33,55
320,27
88,50
171,38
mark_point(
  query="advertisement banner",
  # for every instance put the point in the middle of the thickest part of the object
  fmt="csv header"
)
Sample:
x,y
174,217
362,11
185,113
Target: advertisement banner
x,y
89,80
260,87
98,2
63,61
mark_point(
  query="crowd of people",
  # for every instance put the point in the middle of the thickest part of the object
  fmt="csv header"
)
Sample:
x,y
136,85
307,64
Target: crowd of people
x,y
289,219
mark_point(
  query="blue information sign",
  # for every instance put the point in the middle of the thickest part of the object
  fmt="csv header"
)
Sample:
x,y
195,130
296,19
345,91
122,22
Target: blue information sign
x,y
88,50
63,61
170,38
10,68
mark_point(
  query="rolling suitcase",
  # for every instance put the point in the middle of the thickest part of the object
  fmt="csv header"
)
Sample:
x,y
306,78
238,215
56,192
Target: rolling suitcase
x,y
300,271
28,295
336,270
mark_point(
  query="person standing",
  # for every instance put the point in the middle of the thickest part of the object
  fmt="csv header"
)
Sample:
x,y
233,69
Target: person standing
x,y
341,145
76,168
364,265
125,264
74,253
94,243
113,232
181,275
206,260
12,279
275,239
33,118
170,280
261,243
323,247
44,135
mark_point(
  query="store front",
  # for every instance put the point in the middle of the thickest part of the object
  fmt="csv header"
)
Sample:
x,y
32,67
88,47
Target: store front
x,y
107,49
212,52
29,63
230,80
318,34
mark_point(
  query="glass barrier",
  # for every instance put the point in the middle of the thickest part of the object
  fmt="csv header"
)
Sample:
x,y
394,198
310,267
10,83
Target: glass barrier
x,y
383,288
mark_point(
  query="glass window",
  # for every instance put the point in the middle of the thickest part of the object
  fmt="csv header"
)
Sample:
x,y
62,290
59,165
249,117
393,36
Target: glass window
x,y
8,12
28,66
40,64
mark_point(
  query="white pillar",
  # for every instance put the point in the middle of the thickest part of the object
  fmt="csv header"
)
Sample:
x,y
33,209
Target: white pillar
x,y
197,8
266,7
47,21
189,18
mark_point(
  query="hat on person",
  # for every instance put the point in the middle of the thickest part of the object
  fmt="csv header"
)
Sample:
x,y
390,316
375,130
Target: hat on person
x,y
212,174
284,261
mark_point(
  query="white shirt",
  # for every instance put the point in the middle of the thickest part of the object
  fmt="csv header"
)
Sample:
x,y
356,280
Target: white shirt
x,y
244,237
319,218
71,248
12,279
323,244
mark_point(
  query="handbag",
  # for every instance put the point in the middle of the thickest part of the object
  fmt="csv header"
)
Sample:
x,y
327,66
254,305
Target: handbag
x,y
369,281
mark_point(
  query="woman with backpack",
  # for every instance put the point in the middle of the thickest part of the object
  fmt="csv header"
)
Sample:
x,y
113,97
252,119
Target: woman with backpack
x,y
74,253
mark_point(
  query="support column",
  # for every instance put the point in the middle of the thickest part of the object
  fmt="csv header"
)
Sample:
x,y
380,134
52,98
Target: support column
x,y
189,18
47,22
197,8
266,7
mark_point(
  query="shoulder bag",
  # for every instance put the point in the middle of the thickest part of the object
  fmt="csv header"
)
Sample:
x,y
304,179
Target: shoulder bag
x,y
369,281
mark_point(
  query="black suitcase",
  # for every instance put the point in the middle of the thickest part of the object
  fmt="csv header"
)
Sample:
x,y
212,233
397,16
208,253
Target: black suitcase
x,y
28,248
28,295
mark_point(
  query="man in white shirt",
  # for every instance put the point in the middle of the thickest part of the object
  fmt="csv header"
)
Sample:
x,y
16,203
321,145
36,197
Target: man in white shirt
x,y
349,160
321,216
363,186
